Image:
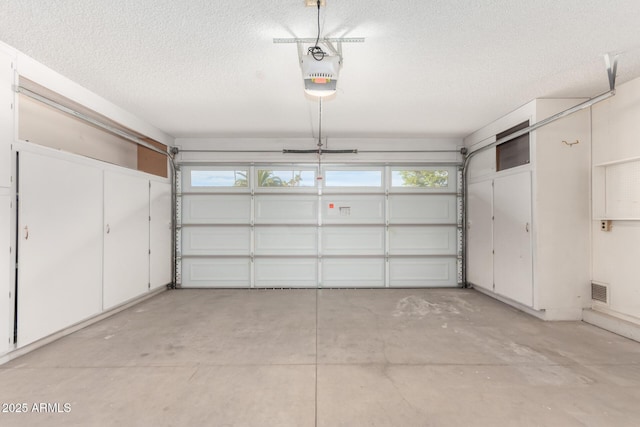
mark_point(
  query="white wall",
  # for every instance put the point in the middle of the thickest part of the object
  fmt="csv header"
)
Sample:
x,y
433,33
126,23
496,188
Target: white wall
x,y
370,150
616,137
44,125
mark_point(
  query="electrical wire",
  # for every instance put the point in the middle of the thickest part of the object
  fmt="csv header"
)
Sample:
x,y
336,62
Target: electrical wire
x,y
316,51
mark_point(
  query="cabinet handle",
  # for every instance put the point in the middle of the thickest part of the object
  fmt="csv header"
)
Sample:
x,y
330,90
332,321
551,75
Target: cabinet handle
x,y
108,229
526,227
26,232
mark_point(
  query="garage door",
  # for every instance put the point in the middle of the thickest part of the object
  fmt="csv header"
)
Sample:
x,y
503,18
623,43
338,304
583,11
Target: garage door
x,y
276,226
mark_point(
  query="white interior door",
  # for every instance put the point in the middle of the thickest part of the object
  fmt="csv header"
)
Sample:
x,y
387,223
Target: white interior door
x,y
160,234
480,234
513,264
60,245
126,237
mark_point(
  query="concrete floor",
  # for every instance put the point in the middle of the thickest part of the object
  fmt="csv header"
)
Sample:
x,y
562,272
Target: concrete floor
x,y
328,358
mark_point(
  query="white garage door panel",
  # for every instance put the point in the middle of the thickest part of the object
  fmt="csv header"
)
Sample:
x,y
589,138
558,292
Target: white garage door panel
x,y
160,234
216,240
60,274
421,272
353,240
221,209
282,273
352,273
286,240
352,209
435,240
216,272
286,209
426,209
126,241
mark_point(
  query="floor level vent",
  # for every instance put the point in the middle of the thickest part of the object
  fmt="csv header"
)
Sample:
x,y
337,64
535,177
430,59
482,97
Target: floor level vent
x,y
600,293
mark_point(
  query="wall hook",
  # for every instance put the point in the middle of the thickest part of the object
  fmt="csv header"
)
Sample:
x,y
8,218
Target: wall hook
x,y
571,144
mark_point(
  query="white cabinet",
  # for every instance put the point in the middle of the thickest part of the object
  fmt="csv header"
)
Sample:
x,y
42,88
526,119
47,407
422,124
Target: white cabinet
x,y
6,321
126,239
512,237
480,234
529,226
6,116
160,234
60,245
85,241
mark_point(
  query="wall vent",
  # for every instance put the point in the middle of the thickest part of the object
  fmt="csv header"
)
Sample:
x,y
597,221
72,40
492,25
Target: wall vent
x,y
600,292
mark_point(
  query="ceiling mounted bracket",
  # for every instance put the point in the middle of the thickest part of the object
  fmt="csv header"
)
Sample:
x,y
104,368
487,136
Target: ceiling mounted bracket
x,y
328,42
612,69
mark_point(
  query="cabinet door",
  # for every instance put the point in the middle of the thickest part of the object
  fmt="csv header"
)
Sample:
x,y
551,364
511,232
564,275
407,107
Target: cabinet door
x,y
126,241
513,272
6,322
480,234
6,117
160,234
59,245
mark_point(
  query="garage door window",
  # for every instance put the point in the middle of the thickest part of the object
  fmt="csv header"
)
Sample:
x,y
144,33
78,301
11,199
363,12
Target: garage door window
x,y
285,178
219,178
420,178
353,178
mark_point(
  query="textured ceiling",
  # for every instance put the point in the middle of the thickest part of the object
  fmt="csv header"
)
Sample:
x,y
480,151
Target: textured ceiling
x,y
427,68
